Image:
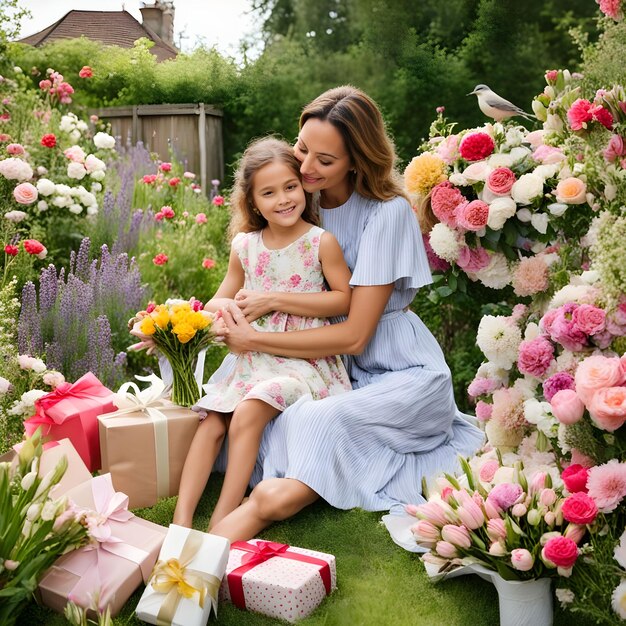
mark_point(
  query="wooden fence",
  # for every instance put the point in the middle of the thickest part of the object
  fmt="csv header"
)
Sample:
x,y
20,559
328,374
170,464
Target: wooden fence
x,y
192,132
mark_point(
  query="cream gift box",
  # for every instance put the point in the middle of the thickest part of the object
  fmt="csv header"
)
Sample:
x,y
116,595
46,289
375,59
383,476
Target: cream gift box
x,y
277,580
145,442
191,562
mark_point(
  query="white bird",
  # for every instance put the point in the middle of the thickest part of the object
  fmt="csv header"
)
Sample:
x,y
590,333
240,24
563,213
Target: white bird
x,y
496,107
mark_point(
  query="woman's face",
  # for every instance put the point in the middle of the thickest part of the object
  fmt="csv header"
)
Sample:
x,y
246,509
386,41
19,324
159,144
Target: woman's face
x,y
324,159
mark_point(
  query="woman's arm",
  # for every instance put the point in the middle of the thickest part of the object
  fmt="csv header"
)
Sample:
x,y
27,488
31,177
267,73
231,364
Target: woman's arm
x,y
232,283
255,304
349,337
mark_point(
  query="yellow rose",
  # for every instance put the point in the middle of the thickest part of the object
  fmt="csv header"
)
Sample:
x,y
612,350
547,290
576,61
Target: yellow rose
x,y
147,326
423,173
184,331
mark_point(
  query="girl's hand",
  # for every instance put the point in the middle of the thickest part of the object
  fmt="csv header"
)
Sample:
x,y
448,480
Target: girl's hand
x,y
239,335
253,304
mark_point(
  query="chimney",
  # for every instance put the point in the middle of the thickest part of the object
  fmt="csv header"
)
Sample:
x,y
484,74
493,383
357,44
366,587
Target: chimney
x,y
159,17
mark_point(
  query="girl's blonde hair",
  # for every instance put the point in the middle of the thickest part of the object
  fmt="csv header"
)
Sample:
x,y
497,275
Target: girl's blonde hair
x,y
359,121
258,154
425,215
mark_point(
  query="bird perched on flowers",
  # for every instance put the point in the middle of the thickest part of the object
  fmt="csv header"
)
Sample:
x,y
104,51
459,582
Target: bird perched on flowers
x,y
496,107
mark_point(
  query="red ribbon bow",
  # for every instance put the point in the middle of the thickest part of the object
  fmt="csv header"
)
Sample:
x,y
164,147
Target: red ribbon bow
x,y
259,553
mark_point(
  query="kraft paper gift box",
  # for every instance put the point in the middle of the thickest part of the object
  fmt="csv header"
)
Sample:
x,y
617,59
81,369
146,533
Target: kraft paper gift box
x,y
277,580
145,442
70,411
185,582
120,559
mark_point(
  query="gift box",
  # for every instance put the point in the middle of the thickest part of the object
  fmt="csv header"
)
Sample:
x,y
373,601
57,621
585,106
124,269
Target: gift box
x,y
185,582
145,442
121,557
70,411
277,580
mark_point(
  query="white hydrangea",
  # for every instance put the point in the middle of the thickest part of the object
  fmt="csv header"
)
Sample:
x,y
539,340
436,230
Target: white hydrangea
x,y
45,187
445,243
526,188
497,274
500,210
104,141
16,169
499,340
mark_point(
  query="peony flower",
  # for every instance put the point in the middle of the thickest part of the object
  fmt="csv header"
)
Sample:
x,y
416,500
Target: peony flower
x,y
560,552
579,114
35,248
11,250
548,155
473,259
104,141
607,485
522,559
15,149
472,215
530,276
527,188
448,149
94,164
165,167
75,153
481,386
505,495
607,408
498,340
476,146
160,259
567,406
53,379
445,242
589,319
563,330
579,508
501,180
557,382
535,357
444,200
571,191
14,168
597,372
76,170
423,173
496,275
603,116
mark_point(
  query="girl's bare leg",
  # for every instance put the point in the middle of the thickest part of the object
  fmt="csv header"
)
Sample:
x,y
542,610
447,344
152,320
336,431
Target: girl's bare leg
x,y
272,500
244,438
203,451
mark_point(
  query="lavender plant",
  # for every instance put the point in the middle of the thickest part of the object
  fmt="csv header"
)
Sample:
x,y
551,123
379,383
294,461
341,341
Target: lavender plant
x,y
79,322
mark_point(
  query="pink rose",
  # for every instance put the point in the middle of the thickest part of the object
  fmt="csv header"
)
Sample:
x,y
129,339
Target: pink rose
x,y
535,356
579,508
25,193
473,259
590,319
579,114
575,477
501,180
567,407
560,551
571,190
564,331
597,372
607,408
548,319
472,215
522,559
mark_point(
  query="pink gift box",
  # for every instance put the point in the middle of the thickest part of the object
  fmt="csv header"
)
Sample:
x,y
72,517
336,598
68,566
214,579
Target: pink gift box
x,y
277,580
71,412
112,567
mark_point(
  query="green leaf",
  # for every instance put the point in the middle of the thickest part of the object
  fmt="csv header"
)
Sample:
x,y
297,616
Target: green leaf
x,y
452,282
444,292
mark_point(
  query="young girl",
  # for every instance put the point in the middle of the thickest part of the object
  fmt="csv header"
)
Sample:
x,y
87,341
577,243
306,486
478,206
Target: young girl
x,y
278,248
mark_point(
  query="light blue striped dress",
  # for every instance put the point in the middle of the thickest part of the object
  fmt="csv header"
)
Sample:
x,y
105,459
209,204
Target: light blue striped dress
x,y
370,447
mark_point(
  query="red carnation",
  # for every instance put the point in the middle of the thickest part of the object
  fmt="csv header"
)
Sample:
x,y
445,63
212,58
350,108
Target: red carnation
x,y
11,250
86,72
575,478
49,141
602,115
579,114
476,146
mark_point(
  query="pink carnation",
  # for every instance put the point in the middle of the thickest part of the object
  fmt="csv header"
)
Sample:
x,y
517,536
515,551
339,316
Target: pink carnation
x,y
579,114
501,180
530,276
444,199
557,382
472,215
535,356
483,410
476,146
607,485
603,116
505,495
589,319
160,259
473,259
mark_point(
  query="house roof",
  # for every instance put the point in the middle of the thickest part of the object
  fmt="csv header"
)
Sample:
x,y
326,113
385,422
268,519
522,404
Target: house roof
x,y
118,28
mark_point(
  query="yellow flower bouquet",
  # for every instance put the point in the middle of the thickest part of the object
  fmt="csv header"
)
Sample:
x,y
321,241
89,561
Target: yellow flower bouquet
x,y
179,330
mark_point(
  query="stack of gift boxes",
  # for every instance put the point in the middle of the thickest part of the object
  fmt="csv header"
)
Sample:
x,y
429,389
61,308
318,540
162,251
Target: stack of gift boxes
x,y
138,440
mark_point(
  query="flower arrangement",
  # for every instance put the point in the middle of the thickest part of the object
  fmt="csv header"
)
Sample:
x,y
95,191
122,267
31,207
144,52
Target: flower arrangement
x,y
35,529
179,330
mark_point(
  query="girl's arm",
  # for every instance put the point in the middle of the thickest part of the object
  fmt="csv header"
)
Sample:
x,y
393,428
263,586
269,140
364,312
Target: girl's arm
x,y
232,283
348,337
255,304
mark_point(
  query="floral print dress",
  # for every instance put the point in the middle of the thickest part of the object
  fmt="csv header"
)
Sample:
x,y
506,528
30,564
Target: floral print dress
x,y
278,381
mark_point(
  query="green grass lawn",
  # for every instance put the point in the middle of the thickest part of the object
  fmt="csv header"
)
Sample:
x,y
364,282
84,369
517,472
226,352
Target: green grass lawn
x,y
378,582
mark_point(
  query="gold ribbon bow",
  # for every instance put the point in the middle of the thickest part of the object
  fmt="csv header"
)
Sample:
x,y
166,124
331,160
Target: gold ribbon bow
x,y
174,578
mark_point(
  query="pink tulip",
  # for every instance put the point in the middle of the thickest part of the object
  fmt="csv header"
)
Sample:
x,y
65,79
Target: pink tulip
x,y
547,497
522,560
471,515
496,529
456,535
432,512
446,550
567,407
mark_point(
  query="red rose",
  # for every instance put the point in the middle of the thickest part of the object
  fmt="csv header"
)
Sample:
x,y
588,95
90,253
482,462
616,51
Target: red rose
x,y
86,72
173,182
160,259
561,551
11,250
575,478
579,508
49,141
501,180
476,146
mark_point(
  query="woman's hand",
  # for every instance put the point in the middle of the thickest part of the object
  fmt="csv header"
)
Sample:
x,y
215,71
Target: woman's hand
x,y
253,304
238,335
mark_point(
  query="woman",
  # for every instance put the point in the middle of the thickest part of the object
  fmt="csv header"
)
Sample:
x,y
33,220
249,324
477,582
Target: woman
x,y
370,447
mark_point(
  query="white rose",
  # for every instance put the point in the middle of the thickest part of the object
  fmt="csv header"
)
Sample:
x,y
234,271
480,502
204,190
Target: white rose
x,y
500,160
30,397
519,153
557,208
98,175
42,205
76,208
75,136
476,172
500,210
45,187
67,124
94,164
63,190
458,180
76,170
88,199
527,188
539,222
547,170
103,140
524,215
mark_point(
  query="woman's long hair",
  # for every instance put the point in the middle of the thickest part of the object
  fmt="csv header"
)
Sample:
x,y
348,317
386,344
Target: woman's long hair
x,y
359,121
258,154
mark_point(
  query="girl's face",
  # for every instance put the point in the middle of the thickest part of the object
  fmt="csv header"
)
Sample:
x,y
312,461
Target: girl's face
x,y
278,194
324,159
